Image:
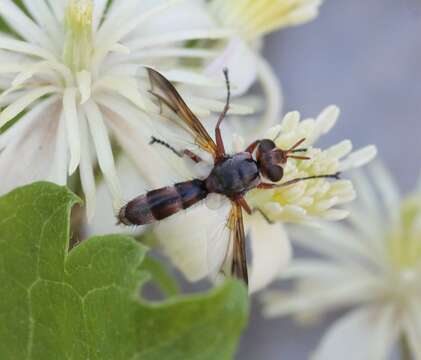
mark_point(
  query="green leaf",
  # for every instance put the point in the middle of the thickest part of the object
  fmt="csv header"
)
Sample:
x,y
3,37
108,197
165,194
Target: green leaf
x,y
161,276
84,304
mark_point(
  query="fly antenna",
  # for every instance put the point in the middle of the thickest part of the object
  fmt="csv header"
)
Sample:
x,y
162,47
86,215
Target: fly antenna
x,y
227,104
298,157
294,149
336,176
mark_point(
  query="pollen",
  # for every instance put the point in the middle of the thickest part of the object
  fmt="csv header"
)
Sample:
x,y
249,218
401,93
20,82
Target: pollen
x,y
78,46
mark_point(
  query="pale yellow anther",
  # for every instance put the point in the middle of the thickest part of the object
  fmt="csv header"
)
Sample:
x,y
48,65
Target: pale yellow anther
x,y
253,19
78,46
405,240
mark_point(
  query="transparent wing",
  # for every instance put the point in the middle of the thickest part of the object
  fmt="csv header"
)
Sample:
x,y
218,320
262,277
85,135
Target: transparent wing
x,y
218,242
227,247
173,107
239,257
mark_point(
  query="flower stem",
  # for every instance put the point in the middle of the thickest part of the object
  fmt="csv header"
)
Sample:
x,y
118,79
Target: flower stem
x,y
405,351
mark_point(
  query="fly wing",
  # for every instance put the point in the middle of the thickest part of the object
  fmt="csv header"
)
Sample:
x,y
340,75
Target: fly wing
x,y
239,258
168,97
227,247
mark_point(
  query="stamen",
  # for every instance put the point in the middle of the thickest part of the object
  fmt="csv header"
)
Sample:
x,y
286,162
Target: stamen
x,y
77,53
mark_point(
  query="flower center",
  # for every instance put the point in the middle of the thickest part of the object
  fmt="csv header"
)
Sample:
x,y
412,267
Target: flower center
x,y
253,19
78,44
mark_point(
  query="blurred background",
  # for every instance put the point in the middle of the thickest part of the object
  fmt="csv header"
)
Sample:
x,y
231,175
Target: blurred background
x,y
365,57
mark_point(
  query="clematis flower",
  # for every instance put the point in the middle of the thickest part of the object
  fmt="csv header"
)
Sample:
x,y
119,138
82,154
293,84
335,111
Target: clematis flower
x,y
70,83
251,21
191,236
370,266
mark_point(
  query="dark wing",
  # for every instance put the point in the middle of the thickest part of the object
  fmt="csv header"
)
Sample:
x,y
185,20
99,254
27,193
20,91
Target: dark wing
x,y
238,238
167,95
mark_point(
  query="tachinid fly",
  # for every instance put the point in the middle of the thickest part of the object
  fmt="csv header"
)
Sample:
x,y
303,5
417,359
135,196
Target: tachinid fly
x,y
232,175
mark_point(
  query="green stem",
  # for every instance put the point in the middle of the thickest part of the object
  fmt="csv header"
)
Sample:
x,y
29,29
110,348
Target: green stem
x,y
405,351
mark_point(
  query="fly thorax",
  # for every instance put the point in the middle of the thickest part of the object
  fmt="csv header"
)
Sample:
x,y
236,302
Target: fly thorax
x,y
234,175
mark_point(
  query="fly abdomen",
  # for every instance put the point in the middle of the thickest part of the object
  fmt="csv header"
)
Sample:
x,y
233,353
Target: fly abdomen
x,y
162,203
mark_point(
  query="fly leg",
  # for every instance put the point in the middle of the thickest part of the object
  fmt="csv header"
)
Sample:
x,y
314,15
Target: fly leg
x,y
186,152
243,203
250,149
190,154
268,186
269,221
218,135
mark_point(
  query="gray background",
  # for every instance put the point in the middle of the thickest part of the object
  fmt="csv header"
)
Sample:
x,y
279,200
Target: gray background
x,y
365,56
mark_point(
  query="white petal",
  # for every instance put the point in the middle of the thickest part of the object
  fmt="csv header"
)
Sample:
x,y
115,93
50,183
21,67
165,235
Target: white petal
x,y
125,28
99,12
130,128
271,251
324,123
86,170
172,52
184,240
84,81
192,78
22,103
25,122
58,7
215,105
72,127
48,67
104,220
186,15
330,291
58,172
241,62
103,151
388,189
273,97
333,240
125,86
40,11
35,145
340,150
29,71
23,25
367,334
412,329
359,158
6,68
177,36
18,46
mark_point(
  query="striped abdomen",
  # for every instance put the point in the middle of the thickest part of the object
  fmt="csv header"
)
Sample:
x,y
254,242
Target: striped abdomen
x,y
162,203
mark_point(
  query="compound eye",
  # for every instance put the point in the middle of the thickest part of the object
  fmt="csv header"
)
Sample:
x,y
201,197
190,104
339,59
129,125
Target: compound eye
x,y
266,145
274,173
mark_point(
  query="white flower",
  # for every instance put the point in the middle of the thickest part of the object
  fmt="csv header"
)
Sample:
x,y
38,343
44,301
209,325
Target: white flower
x,y
194,239
252,20
371,265
316,199
71,77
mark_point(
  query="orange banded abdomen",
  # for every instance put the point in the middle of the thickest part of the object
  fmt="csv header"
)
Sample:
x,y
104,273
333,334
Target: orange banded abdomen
x,y
161,203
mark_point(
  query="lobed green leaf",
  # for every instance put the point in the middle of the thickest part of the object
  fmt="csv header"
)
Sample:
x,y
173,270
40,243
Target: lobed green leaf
x,y
85,304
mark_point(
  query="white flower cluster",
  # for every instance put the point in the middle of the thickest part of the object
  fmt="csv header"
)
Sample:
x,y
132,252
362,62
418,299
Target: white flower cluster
x,y
316,199
69,79
372,264
74,101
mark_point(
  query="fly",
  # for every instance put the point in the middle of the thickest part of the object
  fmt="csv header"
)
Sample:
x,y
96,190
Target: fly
x,y
232,175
